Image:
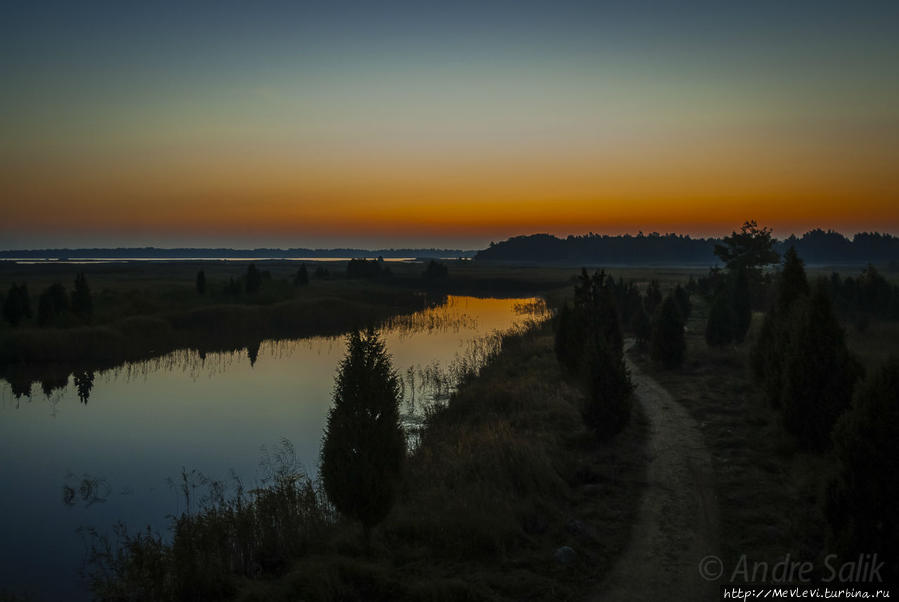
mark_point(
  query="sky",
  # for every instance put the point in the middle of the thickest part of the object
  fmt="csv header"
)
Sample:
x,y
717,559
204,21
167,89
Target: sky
x,y
450,124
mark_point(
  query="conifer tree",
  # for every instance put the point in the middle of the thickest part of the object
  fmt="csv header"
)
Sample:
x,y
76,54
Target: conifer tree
x,y
51,304
364,445
861,500
819,373
302,277
253,279
82,303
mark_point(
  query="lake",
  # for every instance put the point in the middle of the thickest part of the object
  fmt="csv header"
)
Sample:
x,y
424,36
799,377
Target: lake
x,y
67,464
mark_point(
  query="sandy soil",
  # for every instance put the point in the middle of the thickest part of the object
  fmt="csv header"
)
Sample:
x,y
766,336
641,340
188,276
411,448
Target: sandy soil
x,y
677,523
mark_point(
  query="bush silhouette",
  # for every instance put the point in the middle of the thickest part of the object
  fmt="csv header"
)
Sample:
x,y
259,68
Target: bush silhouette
x,y
302,276
435,271
364,445
668,345
861,500
818,371
17,305
52,303
253,281
768,355
608,387
682,298
82,302
641,325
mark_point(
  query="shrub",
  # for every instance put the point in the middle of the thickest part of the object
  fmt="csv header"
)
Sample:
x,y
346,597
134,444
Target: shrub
x,y
364,445
302,276
52,303
17,305
82,303
861,502
607,407
818,372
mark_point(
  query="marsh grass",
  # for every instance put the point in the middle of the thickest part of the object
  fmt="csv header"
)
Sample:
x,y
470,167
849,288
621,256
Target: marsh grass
x,y
503,474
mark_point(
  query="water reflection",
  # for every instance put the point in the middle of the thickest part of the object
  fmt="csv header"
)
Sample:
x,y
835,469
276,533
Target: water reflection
x,y
90,446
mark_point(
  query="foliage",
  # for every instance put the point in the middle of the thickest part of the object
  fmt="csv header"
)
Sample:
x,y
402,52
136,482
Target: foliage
x,y
364,445
435,271
17,304
668,345
253,280
322,273
769,353
588,343
52,303
750,248
363,268
641,324
608,387
302,276
653,297
818,371
682,299
861,504
82,302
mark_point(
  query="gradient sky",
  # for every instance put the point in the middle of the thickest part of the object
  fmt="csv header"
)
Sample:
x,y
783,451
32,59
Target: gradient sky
x,y
442,124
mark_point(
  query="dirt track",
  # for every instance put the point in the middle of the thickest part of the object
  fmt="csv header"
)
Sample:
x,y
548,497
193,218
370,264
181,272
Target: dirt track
x,y
677,522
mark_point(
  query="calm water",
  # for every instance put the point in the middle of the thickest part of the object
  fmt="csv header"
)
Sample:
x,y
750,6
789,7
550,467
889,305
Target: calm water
x,y
144,422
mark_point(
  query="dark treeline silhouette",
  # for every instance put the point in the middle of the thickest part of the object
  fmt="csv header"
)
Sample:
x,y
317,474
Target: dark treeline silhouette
x,y
215,253
364,268
815,246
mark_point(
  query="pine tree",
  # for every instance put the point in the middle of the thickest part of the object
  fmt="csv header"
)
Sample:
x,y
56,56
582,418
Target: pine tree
x,y
792,283
668,345
861,502
253,279
364,445
641,325
818,374
51,304
17,305
82,303
653,297
201,282
682,298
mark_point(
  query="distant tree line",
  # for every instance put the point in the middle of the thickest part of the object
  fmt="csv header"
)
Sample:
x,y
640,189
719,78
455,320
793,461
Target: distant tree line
x,y
816,246
222,252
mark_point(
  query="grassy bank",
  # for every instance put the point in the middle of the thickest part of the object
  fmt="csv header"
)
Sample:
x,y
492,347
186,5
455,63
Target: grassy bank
x,y
505,475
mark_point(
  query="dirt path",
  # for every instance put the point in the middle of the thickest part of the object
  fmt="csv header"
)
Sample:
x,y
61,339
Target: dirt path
x,y
677,523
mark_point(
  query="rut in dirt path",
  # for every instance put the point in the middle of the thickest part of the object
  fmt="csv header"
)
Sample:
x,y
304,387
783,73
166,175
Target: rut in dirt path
x,y
677,522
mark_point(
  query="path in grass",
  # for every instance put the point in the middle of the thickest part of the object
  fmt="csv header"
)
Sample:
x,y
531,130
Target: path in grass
x,y
677,522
